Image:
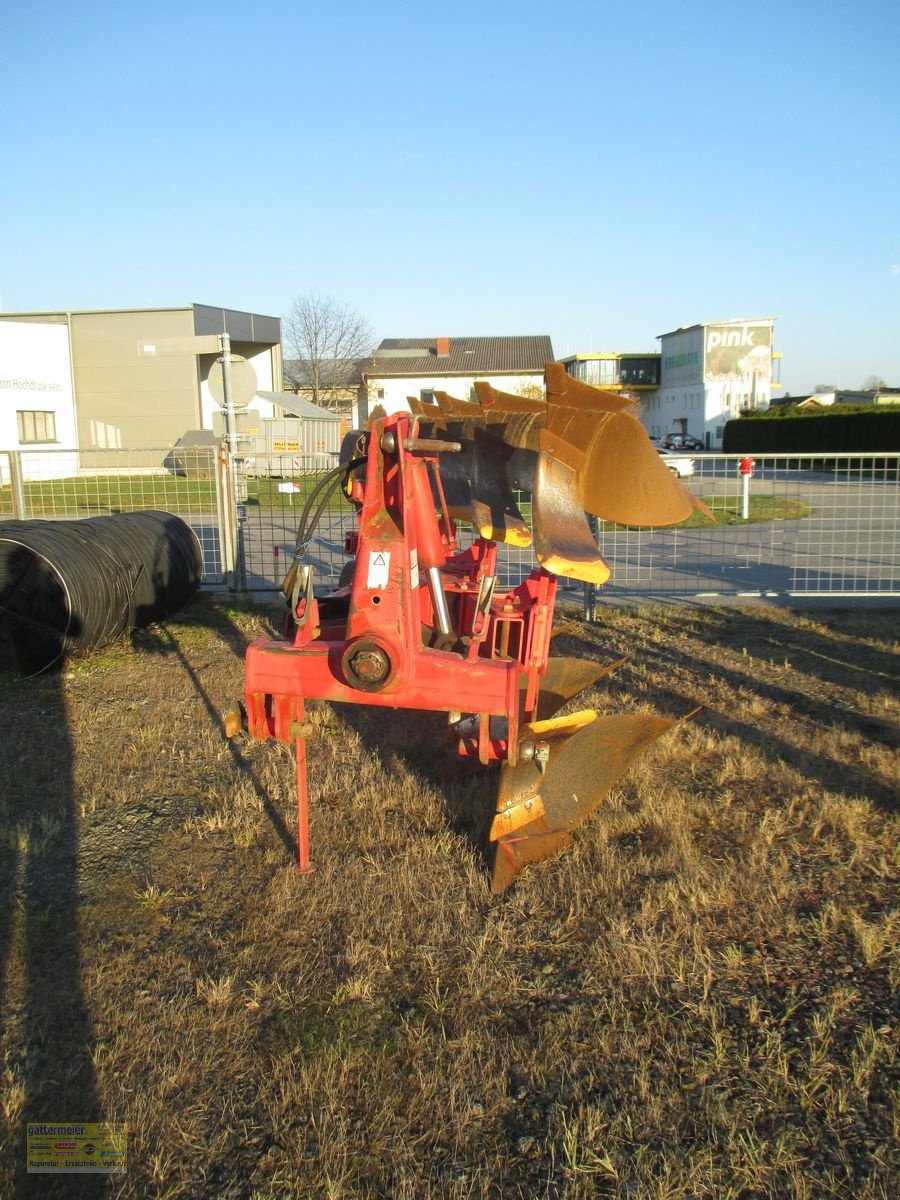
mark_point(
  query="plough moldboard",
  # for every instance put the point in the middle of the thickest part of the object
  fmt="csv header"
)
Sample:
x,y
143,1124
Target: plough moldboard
x,y
419,623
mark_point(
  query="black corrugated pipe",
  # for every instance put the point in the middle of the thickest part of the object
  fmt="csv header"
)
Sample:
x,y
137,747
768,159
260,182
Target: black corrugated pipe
x,y
77,584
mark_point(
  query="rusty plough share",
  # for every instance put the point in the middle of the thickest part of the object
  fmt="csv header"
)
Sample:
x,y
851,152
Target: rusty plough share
x,y
419,623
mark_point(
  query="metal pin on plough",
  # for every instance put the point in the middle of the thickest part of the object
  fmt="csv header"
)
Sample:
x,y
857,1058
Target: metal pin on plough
x,y
421,624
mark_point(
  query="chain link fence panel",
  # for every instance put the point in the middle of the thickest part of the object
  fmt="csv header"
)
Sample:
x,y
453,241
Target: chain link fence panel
x,y
795,529
818,527
66,485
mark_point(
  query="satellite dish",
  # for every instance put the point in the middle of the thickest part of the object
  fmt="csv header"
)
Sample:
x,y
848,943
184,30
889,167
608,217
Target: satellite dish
x,y
243,382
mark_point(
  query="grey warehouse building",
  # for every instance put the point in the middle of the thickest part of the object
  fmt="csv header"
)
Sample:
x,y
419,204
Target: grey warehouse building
x,y
122,378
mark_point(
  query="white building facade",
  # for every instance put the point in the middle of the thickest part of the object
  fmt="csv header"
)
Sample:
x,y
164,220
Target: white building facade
x,y
419,367
709,374
37,405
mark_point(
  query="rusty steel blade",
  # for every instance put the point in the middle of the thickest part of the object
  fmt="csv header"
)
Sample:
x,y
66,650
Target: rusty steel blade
x,y
564,679
514,431
589,763
442,400
514,853
477,481
526,780
620,476
499,522
563,541
508,820
497,515
623,478
454,469
453,408
701,508
580,772
493,401
564,391
514,420
577,451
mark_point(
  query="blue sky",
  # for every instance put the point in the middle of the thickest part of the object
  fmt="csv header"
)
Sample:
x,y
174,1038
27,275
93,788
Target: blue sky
x,y
599,172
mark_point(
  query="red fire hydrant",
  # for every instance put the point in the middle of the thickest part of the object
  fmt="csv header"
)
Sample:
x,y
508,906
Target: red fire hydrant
x,y
745,470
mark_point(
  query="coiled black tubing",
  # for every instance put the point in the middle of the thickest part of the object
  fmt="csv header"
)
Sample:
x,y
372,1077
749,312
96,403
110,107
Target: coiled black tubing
x,y
72,585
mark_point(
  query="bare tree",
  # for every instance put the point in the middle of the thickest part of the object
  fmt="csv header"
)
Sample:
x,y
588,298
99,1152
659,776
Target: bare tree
x,y
531,391
873,383
326,337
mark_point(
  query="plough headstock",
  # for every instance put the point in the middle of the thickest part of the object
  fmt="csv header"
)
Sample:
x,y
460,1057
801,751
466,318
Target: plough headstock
x,y
420,623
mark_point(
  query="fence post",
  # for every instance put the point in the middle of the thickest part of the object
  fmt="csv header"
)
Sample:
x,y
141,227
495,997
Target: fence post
x,y
226,505
17,489
590,589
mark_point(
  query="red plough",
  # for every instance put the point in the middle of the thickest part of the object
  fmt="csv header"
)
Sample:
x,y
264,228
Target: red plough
x,y
420,623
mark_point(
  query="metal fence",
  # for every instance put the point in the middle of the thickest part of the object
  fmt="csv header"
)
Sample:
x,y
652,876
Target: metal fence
x,y
66,485
802,528
813,527
270,510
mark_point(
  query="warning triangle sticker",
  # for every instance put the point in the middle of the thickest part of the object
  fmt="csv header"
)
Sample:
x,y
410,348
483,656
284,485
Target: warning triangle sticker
x,y
379,568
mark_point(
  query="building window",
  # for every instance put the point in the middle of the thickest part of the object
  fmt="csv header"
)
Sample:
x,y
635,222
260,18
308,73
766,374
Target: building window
x,y
36,426
642,372
426,395
380,393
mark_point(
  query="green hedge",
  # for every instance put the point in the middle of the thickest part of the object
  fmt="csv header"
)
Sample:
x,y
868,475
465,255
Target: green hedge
x,y
831,433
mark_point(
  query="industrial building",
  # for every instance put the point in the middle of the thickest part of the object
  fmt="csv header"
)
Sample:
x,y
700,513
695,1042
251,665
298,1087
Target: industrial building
x,y
615,372
708,374
134,379
702,377
125,378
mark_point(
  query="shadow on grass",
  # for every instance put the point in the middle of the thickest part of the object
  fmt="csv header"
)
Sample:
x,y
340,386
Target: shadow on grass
x,y
824,660
46,1037
419,740
162,640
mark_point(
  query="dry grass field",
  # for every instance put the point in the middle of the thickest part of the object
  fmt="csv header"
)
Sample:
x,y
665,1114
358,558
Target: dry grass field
x,y
699,1002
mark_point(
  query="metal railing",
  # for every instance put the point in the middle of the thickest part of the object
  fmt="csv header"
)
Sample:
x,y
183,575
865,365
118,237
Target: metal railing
x,y
814,527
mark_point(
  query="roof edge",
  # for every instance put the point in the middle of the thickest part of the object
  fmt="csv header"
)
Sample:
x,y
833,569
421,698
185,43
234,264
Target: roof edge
x,y
727,321
132,308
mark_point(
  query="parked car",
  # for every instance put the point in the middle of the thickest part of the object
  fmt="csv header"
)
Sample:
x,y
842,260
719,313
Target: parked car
x,y
678,464
682,441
